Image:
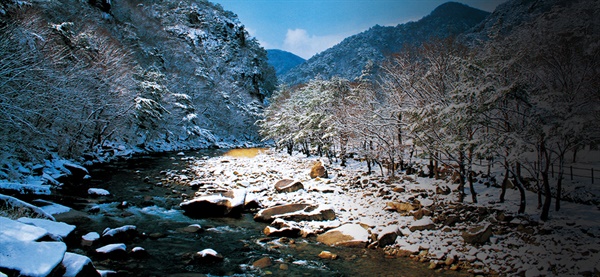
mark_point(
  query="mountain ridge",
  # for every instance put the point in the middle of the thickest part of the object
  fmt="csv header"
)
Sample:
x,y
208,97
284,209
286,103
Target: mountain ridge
x,y
348,58
282,60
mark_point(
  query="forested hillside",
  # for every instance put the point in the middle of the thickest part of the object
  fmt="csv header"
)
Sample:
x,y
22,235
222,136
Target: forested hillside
x,y
523,96
97,78
283,61
350,56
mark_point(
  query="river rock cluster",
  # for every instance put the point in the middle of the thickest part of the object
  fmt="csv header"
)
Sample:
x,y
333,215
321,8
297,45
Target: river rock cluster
x,y
406,216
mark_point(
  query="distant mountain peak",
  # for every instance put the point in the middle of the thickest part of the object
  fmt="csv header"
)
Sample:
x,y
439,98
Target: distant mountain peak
x,y
450,10
348,58
283,61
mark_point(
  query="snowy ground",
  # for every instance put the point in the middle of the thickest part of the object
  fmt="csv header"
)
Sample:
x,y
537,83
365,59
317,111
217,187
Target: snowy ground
x,y
567,244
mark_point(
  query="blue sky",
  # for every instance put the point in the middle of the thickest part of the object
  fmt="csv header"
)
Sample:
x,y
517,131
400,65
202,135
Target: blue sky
x,y
307,27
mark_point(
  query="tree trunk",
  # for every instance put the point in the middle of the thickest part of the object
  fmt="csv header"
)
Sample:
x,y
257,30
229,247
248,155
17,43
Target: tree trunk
x,y
290,148
470,177
380,166
471,187
343,142
561,169
504,181
461,173
523,200
545,182
431,168
400,141
435,168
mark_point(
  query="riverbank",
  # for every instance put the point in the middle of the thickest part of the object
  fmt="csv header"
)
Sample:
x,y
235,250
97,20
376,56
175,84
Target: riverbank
x,y
483,238
407,218
55,171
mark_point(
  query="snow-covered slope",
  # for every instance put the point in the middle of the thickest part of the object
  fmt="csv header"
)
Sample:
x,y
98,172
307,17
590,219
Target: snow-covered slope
x,y
95,77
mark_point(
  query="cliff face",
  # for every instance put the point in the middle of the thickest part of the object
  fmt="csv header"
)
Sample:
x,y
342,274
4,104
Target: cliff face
x,y
349,57
82,76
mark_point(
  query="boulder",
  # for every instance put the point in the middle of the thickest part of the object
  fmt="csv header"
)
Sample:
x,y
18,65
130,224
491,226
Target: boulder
x,y
56,230
138,252
318,170
443,190
478,234
192,228
387,236
262,263
89,239
15,230
115,251
31,258
282,228
251,202
62,213
78,266
121,234
295,212
327,255
420,213
216,205
288,185
76,174
401,207
424,223
208,255
98,192
72,217
349,235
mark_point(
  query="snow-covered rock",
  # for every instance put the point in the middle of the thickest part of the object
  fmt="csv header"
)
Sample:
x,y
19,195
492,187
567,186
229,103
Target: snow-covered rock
x,y
17,231
288,185
424,223
120,234
26,188
478,234
138,252
216,205
61,212
387,236
350,235
89,239
207,255
296,212
113,251
282,228
98,191
18,255
78,265
56,230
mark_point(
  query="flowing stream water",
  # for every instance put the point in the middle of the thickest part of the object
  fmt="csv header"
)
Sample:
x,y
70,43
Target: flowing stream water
x,y
152,206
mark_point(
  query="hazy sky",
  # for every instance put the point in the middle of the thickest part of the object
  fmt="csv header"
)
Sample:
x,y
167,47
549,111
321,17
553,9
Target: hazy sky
x,y
307,27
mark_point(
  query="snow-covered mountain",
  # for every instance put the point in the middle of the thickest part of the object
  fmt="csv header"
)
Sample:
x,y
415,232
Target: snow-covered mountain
x,y
348,58
283,61
156,75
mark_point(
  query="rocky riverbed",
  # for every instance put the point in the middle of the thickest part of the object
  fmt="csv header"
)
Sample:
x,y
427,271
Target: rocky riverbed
x,y
319,218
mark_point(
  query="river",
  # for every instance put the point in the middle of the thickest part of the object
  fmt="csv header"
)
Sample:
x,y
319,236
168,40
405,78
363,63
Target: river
x,y
152,206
